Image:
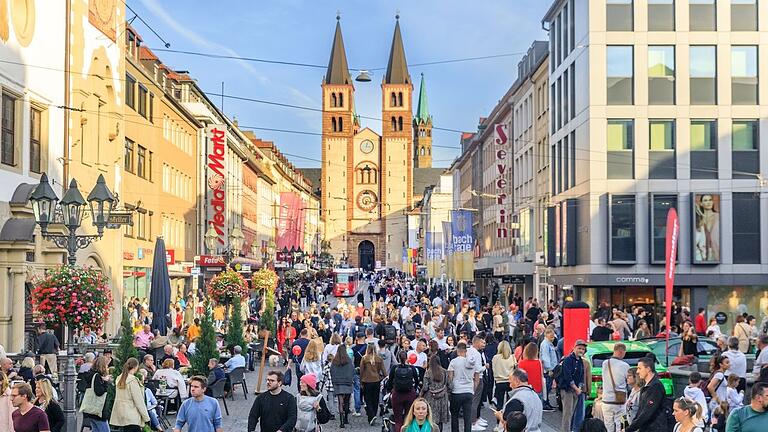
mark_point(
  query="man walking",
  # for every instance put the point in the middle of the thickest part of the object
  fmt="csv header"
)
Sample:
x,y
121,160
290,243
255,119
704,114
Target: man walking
x,y
615,371
27,417
465,380
571,384
47,347
649,416
752,417
523,398
738,362
762,358
549,360
200,412
477,359
275,408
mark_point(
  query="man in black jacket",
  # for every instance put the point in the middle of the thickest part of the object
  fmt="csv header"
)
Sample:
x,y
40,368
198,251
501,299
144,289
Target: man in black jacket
x,y
650,416
275,408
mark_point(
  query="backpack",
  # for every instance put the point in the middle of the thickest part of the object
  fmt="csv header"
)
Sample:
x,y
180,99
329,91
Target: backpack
x,y
557,374
410,329
390,333
403,379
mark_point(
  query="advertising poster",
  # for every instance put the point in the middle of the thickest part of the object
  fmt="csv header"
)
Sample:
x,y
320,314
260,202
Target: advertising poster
x,y
448,250
706,228
462,239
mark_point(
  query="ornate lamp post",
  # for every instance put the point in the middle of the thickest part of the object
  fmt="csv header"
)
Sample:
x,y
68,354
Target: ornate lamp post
x,y
210,239
236,239
69,212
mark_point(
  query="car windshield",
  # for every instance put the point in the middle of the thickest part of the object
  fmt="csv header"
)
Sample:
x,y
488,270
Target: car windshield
x,y
630,358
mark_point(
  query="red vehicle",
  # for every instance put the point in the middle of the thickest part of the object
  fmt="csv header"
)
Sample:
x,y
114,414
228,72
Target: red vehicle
x,y
346,281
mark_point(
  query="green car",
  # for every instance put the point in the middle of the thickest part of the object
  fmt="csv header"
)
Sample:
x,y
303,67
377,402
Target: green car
x,y
597,352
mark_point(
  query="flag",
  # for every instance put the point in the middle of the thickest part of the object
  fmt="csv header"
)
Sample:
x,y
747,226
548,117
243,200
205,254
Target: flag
x,y
463,241
448,250
673,230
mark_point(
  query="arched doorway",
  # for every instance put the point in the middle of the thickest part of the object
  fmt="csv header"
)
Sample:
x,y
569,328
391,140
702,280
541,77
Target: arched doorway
x,y
366,255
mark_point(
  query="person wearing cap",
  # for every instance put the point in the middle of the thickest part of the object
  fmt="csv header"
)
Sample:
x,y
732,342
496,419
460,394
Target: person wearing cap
x,y
307,404
571,385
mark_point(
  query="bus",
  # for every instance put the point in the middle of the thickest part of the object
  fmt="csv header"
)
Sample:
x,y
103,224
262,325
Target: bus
x,y
346,281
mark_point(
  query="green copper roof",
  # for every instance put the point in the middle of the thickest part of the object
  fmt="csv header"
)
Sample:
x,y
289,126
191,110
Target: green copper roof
x,y
422,109
338,71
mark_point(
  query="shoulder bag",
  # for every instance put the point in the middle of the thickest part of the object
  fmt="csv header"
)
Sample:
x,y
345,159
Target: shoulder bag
x,y
621,396
92,404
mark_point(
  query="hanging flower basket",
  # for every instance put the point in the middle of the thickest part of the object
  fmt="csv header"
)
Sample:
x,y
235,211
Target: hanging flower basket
x,y
227,287
73,296
292,277
264,280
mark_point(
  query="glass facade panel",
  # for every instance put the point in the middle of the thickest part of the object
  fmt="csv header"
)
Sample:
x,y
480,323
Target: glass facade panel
x,y
661,15
618,15
620,75
620,146
744,135
743,15
622,229
703,75
662,134
745,156
703,149
735,300
660,205
702,15
661,75
746,233
744,75
661,154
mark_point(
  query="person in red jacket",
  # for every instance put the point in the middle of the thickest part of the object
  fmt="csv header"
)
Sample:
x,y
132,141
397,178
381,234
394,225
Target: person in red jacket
x,y
531,364
701,323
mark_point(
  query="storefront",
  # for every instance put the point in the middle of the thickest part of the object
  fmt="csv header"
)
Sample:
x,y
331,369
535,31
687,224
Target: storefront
x,y
137,281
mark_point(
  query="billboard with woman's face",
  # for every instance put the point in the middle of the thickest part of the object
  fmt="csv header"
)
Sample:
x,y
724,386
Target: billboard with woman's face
x,y
706,228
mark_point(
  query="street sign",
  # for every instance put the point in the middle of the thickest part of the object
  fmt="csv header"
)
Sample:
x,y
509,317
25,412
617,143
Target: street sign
x,y
195,271
170,256
245,268
210,260
120,218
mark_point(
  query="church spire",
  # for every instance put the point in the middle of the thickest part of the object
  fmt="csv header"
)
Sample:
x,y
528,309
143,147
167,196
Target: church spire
x,y
397,69
338,70
422,109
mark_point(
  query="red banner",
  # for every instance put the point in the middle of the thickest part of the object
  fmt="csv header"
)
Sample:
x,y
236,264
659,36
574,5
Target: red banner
x,y
290,225
673,231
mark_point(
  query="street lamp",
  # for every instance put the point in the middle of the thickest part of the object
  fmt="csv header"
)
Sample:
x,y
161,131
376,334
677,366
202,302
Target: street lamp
x,y
211,237
236,239
69,211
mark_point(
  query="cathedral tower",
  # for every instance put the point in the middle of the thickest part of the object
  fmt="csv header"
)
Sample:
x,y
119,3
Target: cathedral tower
x,y
422,124
339,127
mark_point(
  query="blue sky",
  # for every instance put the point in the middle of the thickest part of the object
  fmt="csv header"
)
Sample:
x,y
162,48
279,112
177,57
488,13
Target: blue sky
x,y
302,31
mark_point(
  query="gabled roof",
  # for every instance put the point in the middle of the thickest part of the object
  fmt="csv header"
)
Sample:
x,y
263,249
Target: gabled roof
x,y
146,54
338,70
422,109
397,68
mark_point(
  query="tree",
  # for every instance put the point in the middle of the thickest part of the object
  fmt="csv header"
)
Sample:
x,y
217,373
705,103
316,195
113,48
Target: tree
x,y
267,320
235,336
125,349
205,347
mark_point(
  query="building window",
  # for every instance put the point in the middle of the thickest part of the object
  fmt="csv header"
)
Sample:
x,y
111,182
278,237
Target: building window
x,y
141,157
703,75
703,149
142,102
745,161
341,99
130,91
8,156
340,123
333,100
620,146
746,233
661,75
35,154
620,74
333,124
141,224
622,229
399,98
660,205
618,15
661,155
702,15
400,124
744,75
149,167
151,108
661,15
743,15
573,158
128,156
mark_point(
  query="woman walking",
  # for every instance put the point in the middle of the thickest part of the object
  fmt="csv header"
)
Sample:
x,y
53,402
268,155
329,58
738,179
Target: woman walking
x,y
419,418
6,406
371,373
688,415
342,377
46,402
435,391
718,387
99,381
635,384
307,403
531,364
130,410
312,362
503,364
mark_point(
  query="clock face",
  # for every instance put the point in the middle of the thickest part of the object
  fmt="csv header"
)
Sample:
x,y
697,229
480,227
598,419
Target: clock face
x,y
366,146
367,200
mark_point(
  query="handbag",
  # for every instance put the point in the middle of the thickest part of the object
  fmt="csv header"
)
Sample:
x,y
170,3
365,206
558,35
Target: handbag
x,y
621,396
288,377
92,404
323,414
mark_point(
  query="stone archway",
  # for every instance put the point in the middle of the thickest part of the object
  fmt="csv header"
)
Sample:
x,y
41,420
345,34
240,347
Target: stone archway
x,y
366,255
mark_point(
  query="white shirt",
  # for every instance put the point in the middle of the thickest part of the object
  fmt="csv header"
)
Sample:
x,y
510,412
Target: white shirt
x,y
405,313
761,360
329,349
421,358
619,369
474,357
442,344
463,376
174,380
738,362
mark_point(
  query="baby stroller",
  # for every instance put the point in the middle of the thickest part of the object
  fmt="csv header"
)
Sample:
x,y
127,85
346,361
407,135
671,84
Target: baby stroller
x,y
385,406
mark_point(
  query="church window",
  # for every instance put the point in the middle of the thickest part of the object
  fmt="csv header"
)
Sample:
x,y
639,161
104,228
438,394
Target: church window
x,y
400,99
423,152
394,123
429,151
333,124
341,125
399,123
393,101
341,99
333,100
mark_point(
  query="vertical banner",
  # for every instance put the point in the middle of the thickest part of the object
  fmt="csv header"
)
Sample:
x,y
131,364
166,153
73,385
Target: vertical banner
x,y
501,153
461,234
437,253
448,250
429,253
673,230
405,261
290,225
215,178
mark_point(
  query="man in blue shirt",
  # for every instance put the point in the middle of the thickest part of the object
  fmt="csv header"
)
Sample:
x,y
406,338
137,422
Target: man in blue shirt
x,y
236,361
571,385
200,412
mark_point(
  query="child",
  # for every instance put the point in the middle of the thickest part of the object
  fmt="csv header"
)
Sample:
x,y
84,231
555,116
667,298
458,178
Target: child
x,y
719,416
597,408
735,398
694,392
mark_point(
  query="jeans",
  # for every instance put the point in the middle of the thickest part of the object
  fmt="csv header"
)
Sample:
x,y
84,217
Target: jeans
x,y
356,393
579,413
371,396
547,386
99,425
401,403
461,402
570,401
500,393
477,401
612,414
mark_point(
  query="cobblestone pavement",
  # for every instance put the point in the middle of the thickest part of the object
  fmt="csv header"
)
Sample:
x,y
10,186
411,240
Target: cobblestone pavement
x,y
237,420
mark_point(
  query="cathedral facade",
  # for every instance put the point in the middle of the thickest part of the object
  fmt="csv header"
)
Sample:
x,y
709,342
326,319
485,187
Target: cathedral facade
x,y
367,183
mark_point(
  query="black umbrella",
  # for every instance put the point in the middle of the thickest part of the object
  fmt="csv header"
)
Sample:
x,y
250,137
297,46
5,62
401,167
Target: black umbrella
x,y
160,290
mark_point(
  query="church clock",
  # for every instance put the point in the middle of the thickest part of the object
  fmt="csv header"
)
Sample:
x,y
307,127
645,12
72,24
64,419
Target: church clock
x,y
366,146
367,200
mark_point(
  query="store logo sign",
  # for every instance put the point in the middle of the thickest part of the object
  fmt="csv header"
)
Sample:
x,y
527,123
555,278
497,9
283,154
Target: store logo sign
x,y
633,280
215,179
501,152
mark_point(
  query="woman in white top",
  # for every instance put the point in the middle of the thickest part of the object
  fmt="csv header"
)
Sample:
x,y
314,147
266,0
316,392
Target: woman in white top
x,y
172,377
718,387
714,328
331,348
687,415
503,364
312,362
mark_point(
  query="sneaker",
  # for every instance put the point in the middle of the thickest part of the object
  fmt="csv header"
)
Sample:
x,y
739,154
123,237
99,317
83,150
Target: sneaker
x,y
478,428
482,422
548,408
356,414
373,420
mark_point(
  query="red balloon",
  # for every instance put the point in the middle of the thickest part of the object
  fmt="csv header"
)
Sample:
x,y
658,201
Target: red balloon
x,y
412,358
296,350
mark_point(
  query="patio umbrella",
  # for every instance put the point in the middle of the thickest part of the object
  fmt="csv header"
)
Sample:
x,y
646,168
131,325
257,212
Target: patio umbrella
x,y
160,294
